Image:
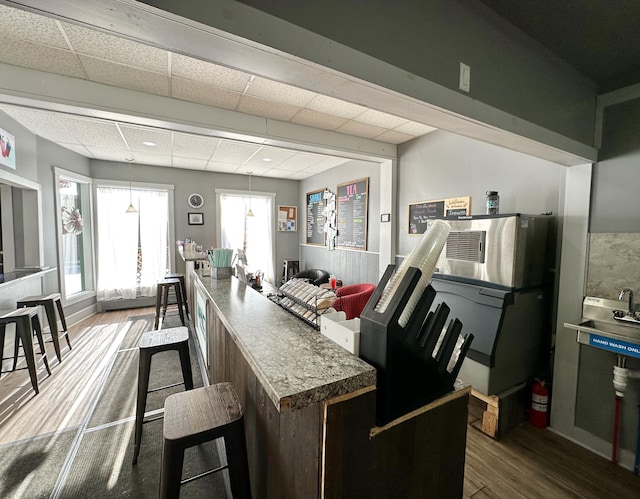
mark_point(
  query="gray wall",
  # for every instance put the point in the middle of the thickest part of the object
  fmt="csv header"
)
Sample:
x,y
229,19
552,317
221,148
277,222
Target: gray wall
x,y
443,165
186,182
429,38
351,266
612,265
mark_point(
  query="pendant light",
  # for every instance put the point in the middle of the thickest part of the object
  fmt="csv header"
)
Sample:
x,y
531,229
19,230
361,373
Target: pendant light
x,y
250,213
131,208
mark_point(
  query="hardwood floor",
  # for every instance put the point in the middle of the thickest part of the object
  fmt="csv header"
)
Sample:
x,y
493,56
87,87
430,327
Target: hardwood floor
x,y
526,463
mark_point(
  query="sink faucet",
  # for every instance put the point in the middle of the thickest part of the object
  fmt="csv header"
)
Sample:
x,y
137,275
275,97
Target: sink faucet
x,y
628,291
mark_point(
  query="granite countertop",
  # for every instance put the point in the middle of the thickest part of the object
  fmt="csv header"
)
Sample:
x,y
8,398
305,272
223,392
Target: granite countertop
x,y
24,273
296,364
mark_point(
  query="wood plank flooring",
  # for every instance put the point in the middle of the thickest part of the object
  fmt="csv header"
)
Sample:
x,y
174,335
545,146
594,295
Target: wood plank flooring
x,y
527,463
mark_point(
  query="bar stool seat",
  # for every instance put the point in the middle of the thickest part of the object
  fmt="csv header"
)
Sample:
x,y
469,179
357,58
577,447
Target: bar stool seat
x,y
26,323
199,416
183,288
162,298
50,303
151,343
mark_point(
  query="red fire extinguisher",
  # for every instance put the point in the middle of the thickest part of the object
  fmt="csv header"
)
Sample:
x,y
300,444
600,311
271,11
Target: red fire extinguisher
x,y
539,404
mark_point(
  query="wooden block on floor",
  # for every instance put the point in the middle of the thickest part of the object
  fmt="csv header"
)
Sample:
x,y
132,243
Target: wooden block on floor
x,y
502,412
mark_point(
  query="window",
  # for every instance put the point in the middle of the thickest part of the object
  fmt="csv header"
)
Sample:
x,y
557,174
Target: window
x,y
75,255
133,248
253,234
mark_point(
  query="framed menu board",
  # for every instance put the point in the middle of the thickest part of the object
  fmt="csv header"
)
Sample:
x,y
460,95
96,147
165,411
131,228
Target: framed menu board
x,y
315,217
421,212
353,207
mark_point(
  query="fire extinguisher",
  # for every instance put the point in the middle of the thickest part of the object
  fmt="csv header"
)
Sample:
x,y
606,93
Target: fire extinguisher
x,y
539,404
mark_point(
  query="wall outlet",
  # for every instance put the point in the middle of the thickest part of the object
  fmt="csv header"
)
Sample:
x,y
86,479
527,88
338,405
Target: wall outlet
x,y
465,77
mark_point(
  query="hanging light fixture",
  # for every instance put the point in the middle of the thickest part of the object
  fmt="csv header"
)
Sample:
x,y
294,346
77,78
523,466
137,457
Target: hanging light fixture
x,y
250,213
131,208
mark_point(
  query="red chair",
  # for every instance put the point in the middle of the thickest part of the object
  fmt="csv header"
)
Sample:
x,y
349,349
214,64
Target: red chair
x,y
352,299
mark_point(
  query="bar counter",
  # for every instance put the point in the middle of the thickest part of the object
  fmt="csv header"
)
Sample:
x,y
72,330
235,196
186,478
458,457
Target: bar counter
x,y
309,406
295,363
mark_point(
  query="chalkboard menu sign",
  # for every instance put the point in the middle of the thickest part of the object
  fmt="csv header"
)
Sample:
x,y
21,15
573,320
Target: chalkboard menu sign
x,y
353,206
315,217
420,213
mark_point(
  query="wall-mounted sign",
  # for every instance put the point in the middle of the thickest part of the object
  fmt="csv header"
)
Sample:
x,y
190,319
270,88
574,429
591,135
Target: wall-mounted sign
x,y
421,212
287,218
353,206
7,149
315,217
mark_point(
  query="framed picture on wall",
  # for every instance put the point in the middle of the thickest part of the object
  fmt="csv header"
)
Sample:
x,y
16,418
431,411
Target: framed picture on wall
x,y
196,219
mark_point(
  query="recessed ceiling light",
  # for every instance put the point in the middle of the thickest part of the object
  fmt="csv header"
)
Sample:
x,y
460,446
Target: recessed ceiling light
x,y
266,159
149,143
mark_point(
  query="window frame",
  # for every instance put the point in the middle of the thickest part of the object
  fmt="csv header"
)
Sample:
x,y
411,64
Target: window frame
x,y
88,254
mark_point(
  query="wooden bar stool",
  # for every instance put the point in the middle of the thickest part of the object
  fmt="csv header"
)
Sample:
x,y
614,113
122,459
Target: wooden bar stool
x,y
199,416
162,298
50,303
152,342
26,322
183,288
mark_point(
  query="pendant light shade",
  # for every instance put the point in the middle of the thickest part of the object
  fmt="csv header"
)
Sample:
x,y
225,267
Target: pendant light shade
x,y
131,208
250,213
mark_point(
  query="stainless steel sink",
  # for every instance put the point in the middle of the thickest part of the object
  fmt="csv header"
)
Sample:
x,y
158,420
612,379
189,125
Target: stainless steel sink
x,y
598,328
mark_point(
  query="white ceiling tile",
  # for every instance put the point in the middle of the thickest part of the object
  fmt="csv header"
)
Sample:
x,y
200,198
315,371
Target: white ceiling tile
x,y
145,158
216,166
40,123
394,137
77,148
234,152
190,163
300,175
202,93
205,72
275,154
194,146
377,118
93,132
129,77
300,161
255,170
278,173
360,129
333,106
33,56
279,92
111,48
326,164
135,137
21,24
266,108
415,129
106,154
316,119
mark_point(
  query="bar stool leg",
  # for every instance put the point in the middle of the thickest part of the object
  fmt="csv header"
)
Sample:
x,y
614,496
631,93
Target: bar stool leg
x,y
53,325
185,364
236,447
180,302
158,306
171,472
2,331
144,366
35,324
63,321
24,333
166,301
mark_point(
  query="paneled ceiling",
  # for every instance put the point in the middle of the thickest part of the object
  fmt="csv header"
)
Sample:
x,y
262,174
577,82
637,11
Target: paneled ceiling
x,y
46,44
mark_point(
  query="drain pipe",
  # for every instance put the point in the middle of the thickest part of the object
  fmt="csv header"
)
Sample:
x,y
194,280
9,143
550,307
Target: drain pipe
x,y
620,377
